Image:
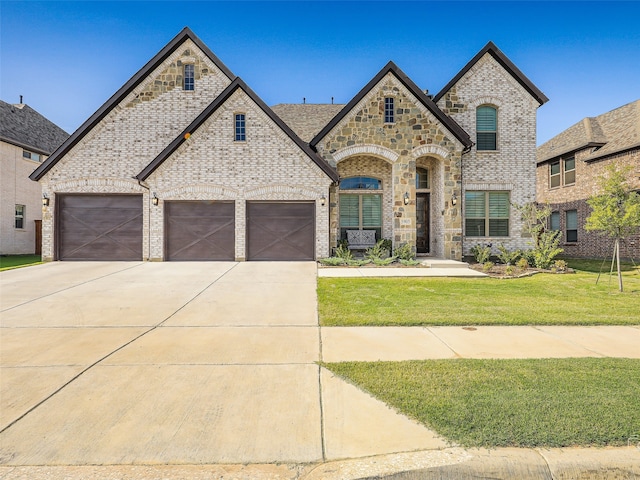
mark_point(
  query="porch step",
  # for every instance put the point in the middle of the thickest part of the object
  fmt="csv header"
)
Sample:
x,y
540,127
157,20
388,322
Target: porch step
x,y
443,263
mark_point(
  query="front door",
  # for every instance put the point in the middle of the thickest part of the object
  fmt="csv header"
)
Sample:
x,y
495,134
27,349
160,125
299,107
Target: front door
x,y
422,222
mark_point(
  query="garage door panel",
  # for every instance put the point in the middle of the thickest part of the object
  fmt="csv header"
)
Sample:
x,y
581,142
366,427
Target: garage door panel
x,y
281,231
100,227
200,230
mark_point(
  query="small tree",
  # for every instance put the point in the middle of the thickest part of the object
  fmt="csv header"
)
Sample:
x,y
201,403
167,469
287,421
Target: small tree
x,y
545,242
615,211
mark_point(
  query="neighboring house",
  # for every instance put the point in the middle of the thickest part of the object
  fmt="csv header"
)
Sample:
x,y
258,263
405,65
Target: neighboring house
x,y
570,167
26,139
186,162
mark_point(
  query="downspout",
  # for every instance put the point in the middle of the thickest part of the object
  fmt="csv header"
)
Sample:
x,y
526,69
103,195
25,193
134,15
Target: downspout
x,y
148,219
464,152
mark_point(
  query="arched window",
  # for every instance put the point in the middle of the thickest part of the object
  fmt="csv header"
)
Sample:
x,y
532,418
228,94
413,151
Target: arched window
x,y
422,178
360,183
486,127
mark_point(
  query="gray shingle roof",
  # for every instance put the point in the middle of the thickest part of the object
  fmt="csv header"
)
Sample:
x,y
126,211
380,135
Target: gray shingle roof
x,y
306,119
613,132
21,125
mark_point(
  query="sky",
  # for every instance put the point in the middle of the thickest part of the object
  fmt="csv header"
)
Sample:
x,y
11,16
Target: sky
x,y
68,58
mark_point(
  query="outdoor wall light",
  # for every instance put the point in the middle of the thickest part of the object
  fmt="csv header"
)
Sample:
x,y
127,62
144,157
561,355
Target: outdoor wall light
x,y
323,200
155,200
45,200
406,198
454,199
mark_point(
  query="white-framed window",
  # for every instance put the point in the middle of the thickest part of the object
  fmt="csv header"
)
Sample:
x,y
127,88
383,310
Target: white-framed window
x,y
486,128
31,155
389,112
240,127
571,225
19,218
189,77
486,214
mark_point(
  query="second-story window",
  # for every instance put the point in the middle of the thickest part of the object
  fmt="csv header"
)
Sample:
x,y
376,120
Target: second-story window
x,y
241,133
486,128
562,172
389,116
569,170
189,77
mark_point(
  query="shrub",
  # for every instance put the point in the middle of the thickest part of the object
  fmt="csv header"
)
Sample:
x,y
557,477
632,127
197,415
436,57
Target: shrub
x,y
381,262
404,252
507,257
344,253
547,249
332,261
481,253
386,244
523,264
377,252
343,243
510,270
356,262
559,266
487,266
408,263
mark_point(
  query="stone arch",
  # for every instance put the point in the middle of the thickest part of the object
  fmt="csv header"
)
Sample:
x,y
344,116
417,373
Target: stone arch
x,y
430,150
485,100
375,150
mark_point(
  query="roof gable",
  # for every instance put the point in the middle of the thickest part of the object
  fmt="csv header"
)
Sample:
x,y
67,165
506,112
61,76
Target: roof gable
x,y
507,64
213,107
22,126
125,90
391,67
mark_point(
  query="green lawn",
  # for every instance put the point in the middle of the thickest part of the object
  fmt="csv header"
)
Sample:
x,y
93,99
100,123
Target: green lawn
x,y
521,403
15,261
542,299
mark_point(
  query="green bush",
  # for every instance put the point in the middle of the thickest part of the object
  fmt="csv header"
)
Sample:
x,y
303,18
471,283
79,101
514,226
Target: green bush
x,y
559,266
332,261
481,253
377,252
510,270
523,264
344,253
487,266
408,263
404,252
381,262
547,249
508,257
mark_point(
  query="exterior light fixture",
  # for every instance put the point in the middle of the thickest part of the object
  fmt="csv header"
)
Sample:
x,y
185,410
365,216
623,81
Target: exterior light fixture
x,y
406,198
323,200
454,199
45,200
155,200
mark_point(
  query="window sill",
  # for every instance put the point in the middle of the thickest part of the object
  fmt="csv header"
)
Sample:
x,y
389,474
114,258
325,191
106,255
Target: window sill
x,y
487,151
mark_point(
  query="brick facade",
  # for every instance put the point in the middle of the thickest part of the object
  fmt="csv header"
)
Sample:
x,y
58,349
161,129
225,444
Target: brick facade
x,y
511,167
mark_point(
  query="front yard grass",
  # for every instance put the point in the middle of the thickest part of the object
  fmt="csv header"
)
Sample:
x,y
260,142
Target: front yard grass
x,y
14,261
542,299
511,403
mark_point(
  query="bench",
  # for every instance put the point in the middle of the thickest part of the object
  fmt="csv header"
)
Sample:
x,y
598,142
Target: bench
x,y
361,239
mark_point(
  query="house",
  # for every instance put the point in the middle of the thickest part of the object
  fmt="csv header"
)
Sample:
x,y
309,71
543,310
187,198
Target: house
x,y
186,162
26,139
570,167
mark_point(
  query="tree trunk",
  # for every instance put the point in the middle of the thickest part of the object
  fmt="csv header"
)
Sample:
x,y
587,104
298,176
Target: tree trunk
x,y
618,263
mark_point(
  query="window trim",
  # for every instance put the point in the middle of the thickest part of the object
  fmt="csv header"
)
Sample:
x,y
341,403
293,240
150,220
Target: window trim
x,y
240,131
561,175
487,212
189,77
19,217
389,110
494,132
567,229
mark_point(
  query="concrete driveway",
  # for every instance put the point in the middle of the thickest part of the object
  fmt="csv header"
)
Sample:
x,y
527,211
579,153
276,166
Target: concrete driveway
x,y
177,363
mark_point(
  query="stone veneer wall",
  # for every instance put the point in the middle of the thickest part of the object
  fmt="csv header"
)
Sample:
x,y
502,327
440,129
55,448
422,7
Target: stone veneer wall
x,y
511,167
574,197
416,133
132,135
17,189
210,165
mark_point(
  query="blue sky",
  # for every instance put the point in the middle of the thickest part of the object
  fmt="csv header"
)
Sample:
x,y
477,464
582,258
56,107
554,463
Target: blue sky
x,y
68,58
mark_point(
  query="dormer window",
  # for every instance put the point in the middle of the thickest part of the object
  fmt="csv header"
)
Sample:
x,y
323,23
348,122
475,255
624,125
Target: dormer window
x,y
486,128
189,77
389,116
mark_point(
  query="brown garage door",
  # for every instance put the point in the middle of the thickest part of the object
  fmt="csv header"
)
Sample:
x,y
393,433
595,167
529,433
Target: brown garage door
x,y
202,230
99,227
280,230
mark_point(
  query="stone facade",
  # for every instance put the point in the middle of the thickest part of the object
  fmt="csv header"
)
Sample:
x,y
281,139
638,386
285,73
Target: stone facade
x,y
511,167
362,144
595,143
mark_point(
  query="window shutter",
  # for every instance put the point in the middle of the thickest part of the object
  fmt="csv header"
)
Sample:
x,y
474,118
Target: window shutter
x,y
371,211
